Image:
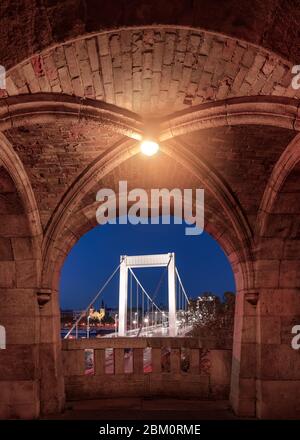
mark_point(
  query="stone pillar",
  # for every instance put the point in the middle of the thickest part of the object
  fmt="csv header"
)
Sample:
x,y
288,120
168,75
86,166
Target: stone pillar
x,y
19,314
242,391
52,392
278,364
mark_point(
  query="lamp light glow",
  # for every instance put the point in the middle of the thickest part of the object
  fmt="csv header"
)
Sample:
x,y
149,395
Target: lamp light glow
x,y
149,147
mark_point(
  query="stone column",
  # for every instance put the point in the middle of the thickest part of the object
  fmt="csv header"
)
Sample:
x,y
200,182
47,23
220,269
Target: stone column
x,y
278,364
52,392
242,392
19,314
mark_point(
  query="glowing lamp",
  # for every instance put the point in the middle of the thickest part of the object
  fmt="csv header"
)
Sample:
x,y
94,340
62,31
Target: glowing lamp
x,y
149,147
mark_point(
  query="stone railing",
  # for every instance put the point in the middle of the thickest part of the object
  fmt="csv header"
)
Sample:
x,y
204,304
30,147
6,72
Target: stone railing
x,y
144,367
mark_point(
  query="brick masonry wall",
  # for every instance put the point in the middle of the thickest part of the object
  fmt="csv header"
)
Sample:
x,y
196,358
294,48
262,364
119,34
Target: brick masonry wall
x,y
29,26
154,70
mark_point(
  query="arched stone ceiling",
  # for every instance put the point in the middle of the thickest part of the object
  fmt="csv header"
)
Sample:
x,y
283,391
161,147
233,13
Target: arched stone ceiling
x,y
29,26
154,71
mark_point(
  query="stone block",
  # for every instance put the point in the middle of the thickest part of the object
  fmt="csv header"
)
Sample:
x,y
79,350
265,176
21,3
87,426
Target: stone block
x,y
7,274
267,273
220,366
279,302
291,250
59,57
5,411
73,362
23,330
81,50
247,361
14,226
169,48
22,248
50,67
287,323
278,362
18,363
249,329
243,407
18,303
278,399
70,54
270,248
289,273
65,80
106,67
268,330
26,273
93,54
50,328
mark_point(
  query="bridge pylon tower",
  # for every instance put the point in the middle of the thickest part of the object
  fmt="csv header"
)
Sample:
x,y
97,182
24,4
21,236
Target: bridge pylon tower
x,y
145,261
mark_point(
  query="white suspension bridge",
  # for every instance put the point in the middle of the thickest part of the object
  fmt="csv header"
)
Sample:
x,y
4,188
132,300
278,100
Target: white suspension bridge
x,y
139,313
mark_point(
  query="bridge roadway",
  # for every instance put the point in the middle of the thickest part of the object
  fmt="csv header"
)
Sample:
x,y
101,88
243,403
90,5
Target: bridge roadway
x,y
154,330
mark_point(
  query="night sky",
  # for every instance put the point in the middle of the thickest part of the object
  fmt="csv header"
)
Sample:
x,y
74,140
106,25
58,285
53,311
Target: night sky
x,y
200,260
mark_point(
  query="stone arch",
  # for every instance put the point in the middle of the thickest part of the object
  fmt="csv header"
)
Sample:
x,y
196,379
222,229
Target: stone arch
x,y
189,161
43,108
11,161
269,111
72,220
285,165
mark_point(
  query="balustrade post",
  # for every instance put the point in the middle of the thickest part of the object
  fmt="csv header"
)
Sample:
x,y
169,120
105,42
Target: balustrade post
x,y
119,360
138,360
99,361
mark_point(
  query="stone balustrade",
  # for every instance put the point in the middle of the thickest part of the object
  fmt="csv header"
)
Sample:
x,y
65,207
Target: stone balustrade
x,y
145,367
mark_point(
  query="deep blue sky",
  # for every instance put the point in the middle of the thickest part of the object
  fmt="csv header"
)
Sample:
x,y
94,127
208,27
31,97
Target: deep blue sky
x,y
200,260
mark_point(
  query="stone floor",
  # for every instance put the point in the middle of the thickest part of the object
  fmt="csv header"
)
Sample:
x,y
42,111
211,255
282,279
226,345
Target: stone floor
x,y
146,409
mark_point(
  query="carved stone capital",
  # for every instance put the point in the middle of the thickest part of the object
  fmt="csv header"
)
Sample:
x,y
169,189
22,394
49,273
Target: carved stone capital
x,y
43,296
252,298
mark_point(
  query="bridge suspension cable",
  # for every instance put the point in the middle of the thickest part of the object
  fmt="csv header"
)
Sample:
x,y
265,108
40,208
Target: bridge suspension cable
x,y
144,291
181,284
